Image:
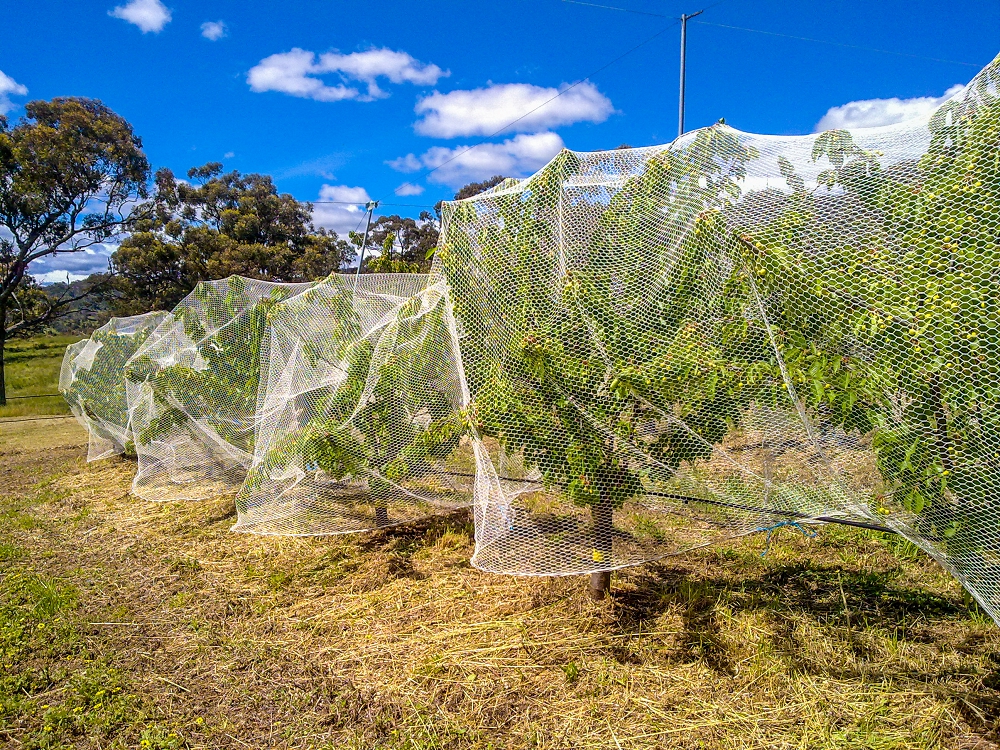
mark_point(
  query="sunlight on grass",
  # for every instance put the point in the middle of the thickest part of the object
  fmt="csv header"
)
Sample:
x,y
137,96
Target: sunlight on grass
x,y
32,368
131,624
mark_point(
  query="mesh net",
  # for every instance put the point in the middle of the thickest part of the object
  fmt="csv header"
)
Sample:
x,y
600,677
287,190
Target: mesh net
x,y
733,333
192,389
359,416
90,379
627,355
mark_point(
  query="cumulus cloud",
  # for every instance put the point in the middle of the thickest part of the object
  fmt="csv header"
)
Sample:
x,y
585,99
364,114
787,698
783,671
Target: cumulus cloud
x,y
346,213
516,157
148,15
871,113
408,188
213,30
298,72
9,87
74,266
408,163
488,110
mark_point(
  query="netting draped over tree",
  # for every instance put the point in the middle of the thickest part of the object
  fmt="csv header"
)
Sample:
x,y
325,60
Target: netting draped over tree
x,y
629,354
736,332
360,421
90,379
192,389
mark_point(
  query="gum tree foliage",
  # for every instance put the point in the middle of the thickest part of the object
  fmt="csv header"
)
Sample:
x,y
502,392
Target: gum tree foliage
x,y
388,416
579,379
894,333
399,244
71,172
218,225
227,327
406,244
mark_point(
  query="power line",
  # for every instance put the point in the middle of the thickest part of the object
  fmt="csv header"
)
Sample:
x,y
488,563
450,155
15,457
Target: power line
x,y
613,7
785,36
835,44
365,203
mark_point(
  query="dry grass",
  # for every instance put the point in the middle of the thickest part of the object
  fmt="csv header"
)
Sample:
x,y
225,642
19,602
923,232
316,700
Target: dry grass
x,y
205,638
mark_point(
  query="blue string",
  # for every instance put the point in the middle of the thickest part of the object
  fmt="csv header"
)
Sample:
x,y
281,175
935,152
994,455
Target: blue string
x,y
810,533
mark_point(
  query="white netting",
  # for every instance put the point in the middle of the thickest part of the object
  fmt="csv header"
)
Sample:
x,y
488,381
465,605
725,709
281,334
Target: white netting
x,y
359,416
733,332
629,354
90,379
192,389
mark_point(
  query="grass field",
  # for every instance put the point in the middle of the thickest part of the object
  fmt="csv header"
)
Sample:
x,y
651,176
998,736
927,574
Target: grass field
x,y
32,368
128,624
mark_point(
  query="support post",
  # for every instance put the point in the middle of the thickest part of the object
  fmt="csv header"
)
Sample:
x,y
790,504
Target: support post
x,y
680,110
370,206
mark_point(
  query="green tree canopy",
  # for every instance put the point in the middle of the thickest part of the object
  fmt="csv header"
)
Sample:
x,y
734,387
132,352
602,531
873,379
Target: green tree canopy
x,y
71,172
406,244
219,225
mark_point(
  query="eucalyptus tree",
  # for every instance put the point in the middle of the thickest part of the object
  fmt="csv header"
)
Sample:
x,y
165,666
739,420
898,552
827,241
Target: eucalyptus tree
x,y
71,175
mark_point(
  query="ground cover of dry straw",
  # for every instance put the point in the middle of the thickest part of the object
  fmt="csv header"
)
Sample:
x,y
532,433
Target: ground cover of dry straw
x,y
130,624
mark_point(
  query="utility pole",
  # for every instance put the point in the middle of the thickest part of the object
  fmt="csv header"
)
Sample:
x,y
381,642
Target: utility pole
x,y
370,206
684,30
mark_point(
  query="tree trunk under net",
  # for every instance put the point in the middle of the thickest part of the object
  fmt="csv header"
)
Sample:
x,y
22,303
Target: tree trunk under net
x,y
603,517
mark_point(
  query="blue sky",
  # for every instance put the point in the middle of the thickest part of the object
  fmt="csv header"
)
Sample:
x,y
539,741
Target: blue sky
x,y
346,101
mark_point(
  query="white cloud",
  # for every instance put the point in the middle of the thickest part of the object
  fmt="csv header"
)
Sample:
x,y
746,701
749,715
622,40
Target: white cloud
x,y
408,188
58,277
213,30
408,163
871,113
293,73
488,110
228,155
346,214
148,15
516,157
298,72
79,265
9,87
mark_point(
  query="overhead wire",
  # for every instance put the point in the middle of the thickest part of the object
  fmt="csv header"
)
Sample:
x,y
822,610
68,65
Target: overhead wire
x,y
362,203
614,7
569,88
835,44
779,34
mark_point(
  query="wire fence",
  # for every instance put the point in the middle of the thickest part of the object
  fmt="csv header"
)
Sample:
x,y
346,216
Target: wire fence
x,y
40,417
37,419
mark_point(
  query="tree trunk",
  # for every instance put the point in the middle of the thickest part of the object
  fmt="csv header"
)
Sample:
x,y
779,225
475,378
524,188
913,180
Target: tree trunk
x,y
941,439
3,346
603,517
